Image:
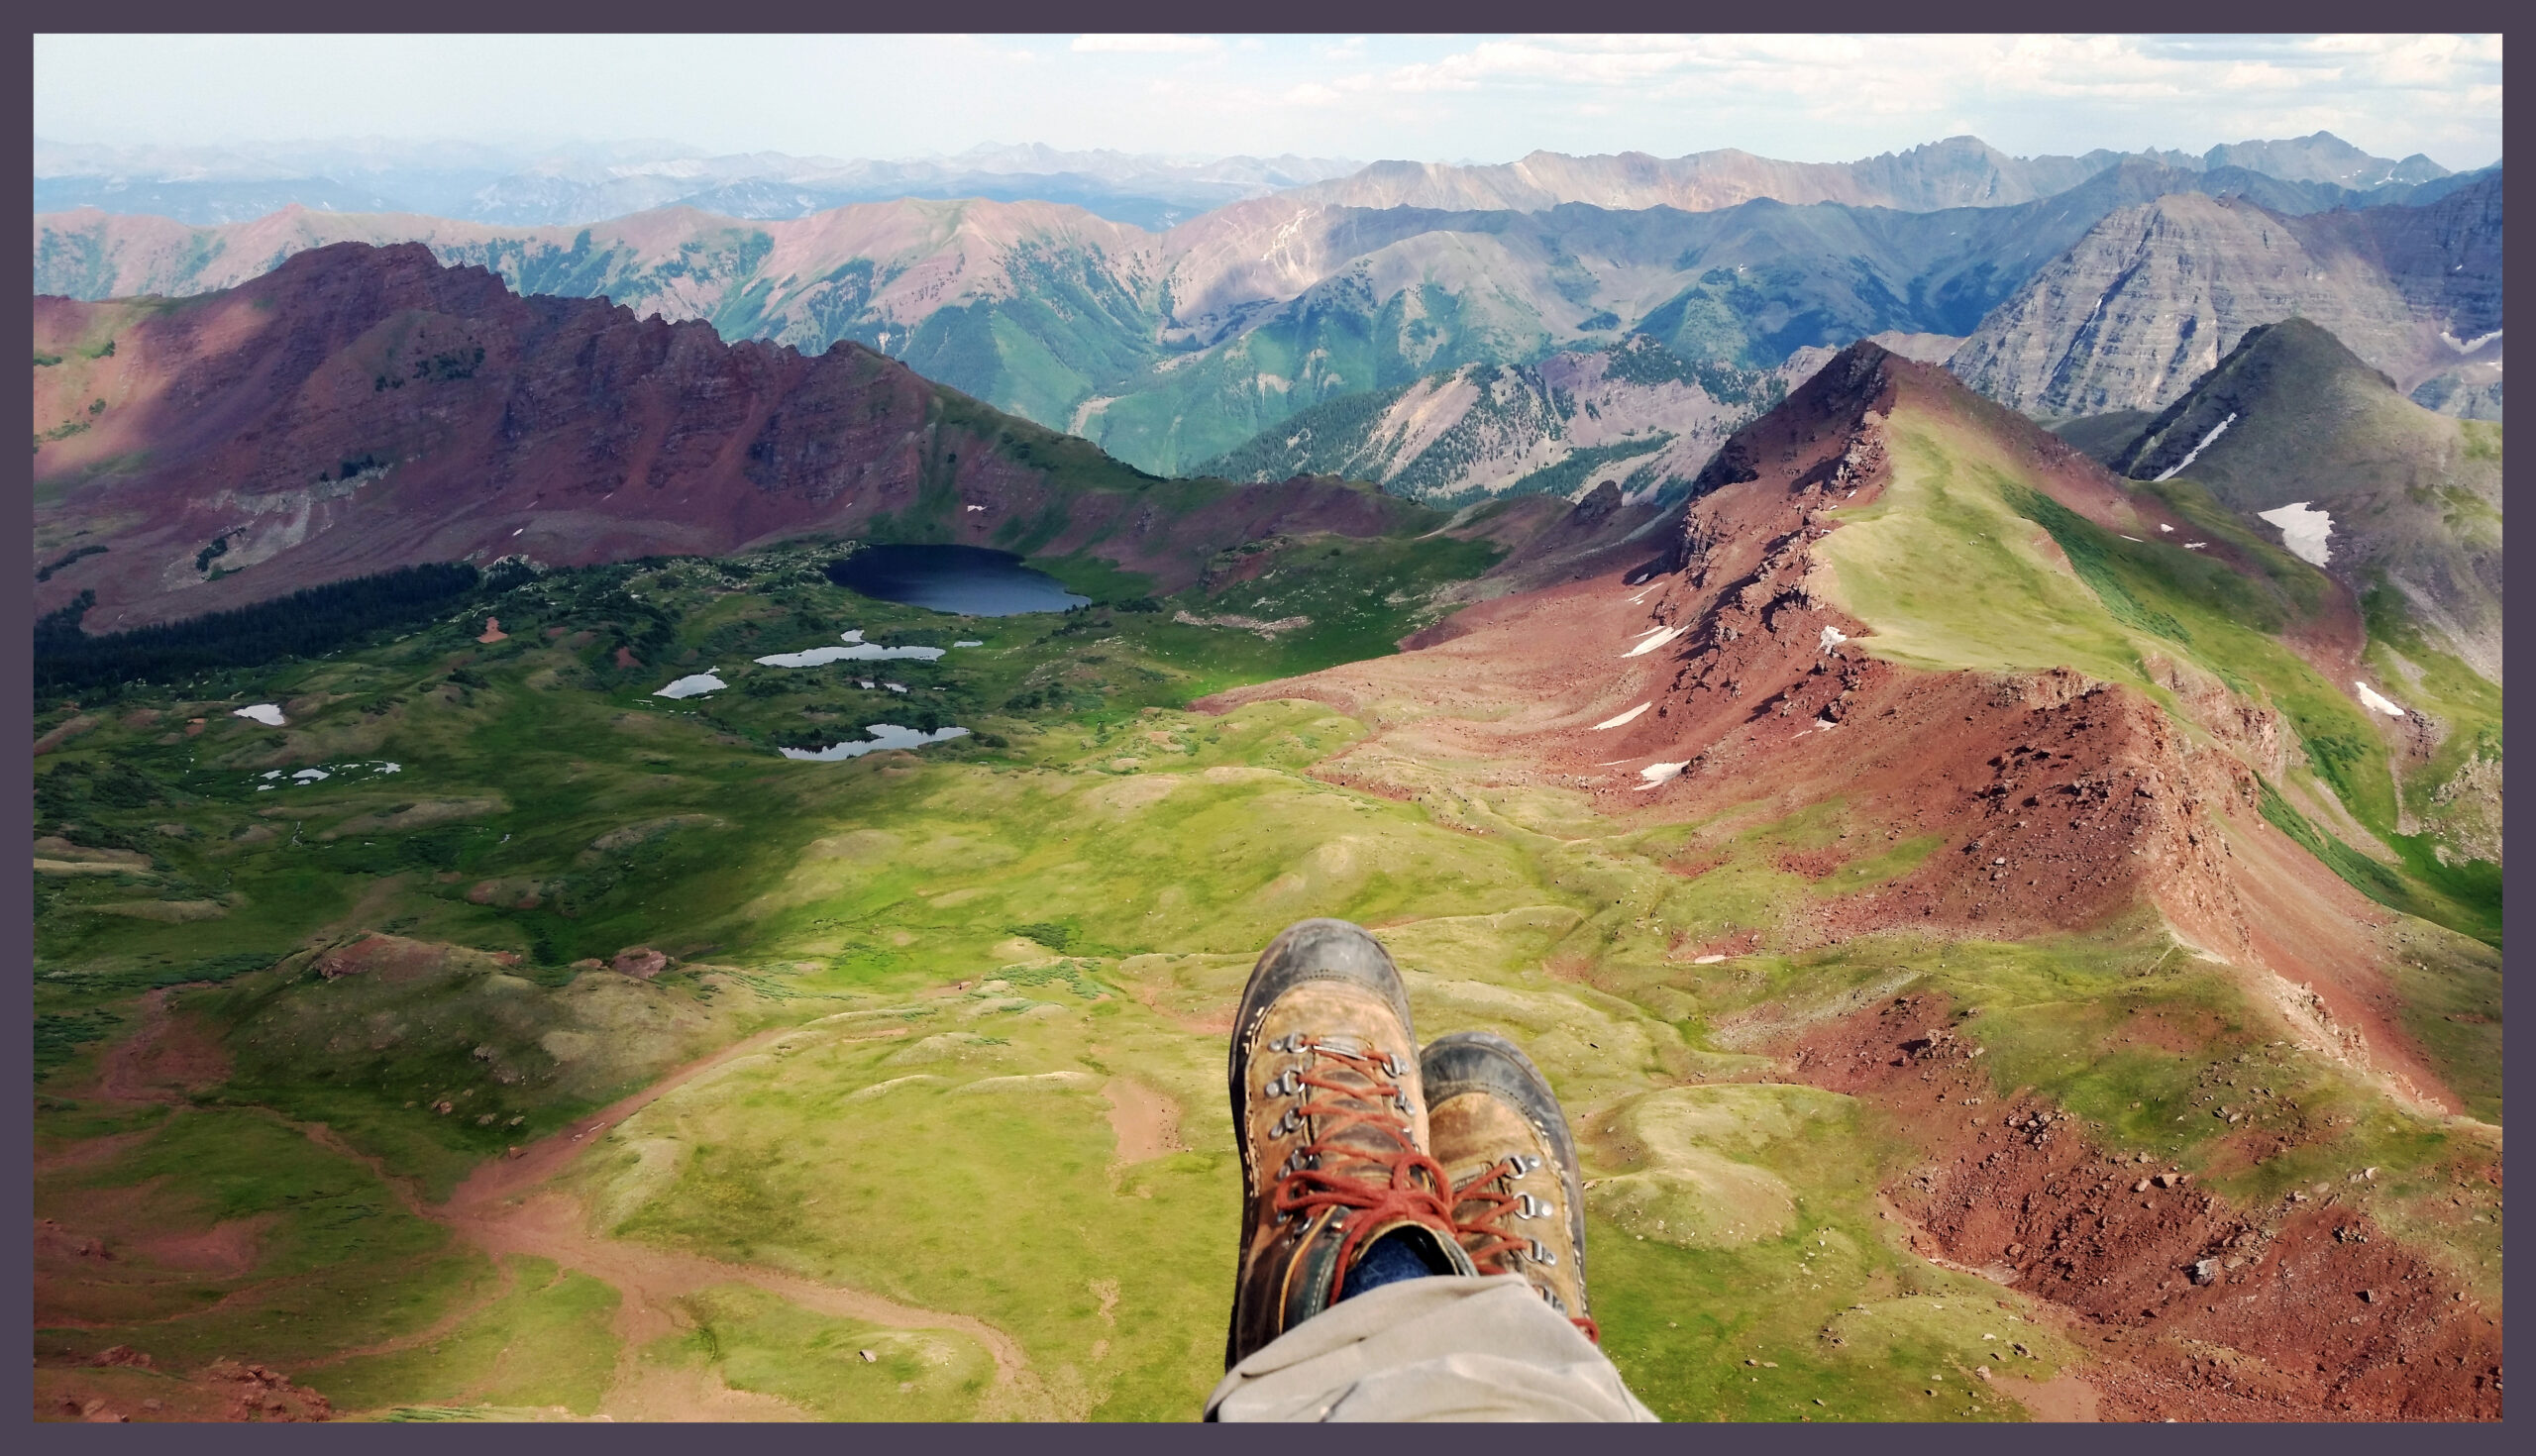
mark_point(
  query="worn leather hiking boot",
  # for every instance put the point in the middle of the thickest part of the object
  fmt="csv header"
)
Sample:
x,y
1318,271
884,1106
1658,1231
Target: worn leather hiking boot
x,y
1518,1205
1332,1126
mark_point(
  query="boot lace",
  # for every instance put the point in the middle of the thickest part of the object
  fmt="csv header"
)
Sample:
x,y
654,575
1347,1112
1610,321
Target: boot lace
x,y
1404,1184
1481,1207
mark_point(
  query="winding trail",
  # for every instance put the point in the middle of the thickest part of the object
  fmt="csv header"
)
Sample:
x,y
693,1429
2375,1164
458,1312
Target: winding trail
x,y
505,1208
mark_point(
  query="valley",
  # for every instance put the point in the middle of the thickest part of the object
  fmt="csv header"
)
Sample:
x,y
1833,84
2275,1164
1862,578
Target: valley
x,y
1935,896
658,768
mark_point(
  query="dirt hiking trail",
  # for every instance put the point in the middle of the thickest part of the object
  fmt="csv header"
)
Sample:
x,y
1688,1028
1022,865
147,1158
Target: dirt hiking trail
x,y
502,1208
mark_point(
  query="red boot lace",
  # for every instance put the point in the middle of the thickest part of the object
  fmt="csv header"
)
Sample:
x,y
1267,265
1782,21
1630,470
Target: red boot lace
x,y
1483,1233
1407,1184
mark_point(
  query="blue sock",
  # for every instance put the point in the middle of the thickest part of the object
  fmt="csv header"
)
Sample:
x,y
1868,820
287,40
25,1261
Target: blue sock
x,y
1388,1260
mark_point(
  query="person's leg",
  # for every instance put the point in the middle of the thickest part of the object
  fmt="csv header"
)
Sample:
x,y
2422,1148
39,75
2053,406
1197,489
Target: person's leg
x,y
1325,1332
1429,1350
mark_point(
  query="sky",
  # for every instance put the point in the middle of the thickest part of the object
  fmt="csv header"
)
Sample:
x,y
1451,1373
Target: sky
x,y
1432,98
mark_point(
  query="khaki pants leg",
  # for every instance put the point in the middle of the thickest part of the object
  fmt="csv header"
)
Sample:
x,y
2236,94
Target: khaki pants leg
x,y
1430,1349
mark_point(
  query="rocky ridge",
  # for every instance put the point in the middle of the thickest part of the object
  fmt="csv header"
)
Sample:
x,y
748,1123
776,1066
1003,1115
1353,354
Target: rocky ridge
x,y
2154,294
358,409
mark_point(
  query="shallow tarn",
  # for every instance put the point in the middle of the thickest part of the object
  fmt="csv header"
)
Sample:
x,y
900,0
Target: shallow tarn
x,y
969,581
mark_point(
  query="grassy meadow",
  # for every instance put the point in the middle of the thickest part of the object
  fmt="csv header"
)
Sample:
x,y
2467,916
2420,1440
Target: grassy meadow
x,y
978,954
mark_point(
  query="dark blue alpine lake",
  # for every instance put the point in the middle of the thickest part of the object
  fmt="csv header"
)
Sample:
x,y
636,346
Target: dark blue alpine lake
x,y
970,581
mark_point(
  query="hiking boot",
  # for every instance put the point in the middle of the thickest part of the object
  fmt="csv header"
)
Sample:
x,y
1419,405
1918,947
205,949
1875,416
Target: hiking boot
x,y
1332,1126
1518,1205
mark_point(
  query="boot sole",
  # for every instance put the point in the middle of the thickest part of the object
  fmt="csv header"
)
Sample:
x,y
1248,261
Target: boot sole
x,y
1464,1062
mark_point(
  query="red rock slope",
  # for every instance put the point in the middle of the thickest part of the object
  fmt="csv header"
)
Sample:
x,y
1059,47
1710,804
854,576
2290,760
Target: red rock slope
x,y
359,408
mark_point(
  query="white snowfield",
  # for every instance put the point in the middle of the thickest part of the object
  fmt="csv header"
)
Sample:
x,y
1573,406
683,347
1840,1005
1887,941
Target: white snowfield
x,y
1653,638
1832,637
268,714
2371,698
2302,530
883,735
1656,774
2194,454
694,685
855,650
1622,718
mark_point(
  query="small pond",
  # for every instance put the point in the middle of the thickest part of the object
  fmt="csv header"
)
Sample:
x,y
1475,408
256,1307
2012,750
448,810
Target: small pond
x,y
967,580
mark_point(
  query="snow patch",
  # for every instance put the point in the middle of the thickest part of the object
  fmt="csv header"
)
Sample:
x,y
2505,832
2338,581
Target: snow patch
x,y
968,642
268,714
1622,718
696,685
1706,960
2467,346
1832,637
2194,454
853,652
1653,640
883,735
2375,702
1656,774
2302,530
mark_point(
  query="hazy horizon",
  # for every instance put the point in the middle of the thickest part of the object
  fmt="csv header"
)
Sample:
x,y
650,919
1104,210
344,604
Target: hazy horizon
x,y
1456,99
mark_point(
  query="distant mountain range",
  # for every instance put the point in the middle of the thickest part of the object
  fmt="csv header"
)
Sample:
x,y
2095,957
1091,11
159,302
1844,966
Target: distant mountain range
x,y
2154,294
592,182
209,186
1299,330
1960,171
1171,349
1635,414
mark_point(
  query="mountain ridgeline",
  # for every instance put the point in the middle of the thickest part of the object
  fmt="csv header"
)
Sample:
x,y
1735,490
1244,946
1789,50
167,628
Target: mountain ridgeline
x,y
2154,293
1634,413
360,409
1174,348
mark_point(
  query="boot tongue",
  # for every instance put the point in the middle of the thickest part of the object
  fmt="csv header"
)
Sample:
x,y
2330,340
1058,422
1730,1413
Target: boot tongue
x,y
1378,1129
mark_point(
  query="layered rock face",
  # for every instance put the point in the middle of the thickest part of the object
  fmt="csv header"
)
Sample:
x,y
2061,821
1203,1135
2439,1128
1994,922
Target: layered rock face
x,y
2154,295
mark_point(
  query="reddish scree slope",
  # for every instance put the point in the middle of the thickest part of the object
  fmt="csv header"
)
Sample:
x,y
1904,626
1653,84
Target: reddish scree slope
x,y
581,433
2061,803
